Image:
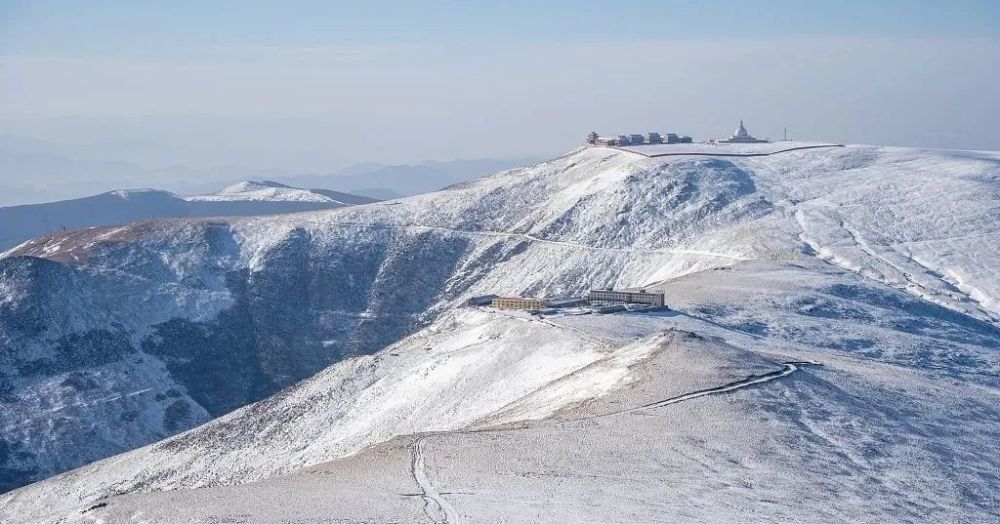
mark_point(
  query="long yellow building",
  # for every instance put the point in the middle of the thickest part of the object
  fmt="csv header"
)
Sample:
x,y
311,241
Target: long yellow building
x,y
516,303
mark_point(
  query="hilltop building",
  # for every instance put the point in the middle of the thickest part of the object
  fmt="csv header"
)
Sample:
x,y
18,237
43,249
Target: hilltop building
x,y
593,139
742,136
516,303
610,296
481,300
636,139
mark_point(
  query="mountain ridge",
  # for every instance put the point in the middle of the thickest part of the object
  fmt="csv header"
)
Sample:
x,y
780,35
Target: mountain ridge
x,y
119,207
391,275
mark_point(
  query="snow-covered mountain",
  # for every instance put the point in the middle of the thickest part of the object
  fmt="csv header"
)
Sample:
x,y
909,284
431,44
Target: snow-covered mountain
x,y
268,191
832,352
119,207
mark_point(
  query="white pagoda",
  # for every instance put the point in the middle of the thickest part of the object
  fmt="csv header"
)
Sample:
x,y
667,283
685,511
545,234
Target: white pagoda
x,y
742,136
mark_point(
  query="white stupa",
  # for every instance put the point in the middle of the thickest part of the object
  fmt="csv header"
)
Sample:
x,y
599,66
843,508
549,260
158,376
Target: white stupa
x,y
742,136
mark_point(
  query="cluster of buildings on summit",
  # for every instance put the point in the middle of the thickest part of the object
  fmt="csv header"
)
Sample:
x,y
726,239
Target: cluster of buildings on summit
x,y
635,140
610,300
740,136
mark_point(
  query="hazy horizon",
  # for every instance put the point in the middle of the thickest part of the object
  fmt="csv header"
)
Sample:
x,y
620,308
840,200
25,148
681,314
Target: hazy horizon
x,y
310,87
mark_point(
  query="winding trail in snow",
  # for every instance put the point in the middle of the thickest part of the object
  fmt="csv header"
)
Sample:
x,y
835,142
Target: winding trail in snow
x,y
440,511
670,251
787,369
431,496
560,243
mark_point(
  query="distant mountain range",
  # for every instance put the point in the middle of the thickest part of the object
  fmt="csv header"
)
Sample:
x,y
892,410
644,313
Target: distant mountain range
x,y
394,181
35,171
21,223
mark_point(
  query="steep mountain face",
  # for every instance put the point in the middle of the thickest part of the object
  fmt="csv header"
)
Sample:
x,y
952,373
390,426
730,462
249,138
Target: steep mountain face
x,y
769,390
22,223
202,328
118,337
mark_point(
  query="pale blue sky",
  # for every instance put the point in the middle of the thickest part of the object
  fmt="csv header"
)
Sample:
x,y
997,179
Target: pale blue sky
x,y
313,85
152,26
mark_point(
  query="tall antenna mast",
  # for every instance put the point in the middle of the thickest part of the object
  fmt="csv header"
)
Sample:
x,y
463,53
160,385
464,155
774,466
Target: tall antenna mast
x,y
786,134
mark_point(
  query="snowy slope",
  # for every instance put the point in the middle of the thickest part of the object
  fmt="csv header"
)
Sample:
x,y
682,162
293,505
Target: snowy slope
x,y
21,223
268,191
896,394
883,258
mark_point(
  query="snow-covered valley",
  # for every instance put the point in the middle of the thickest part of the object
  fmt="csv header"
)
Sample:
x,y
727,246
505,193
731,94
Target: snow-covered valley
x,y
832,351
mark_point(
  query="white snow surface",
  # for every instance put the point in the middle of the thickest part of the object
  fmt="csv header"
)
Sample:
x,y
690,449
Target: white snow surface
x,y
879,263
263,191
